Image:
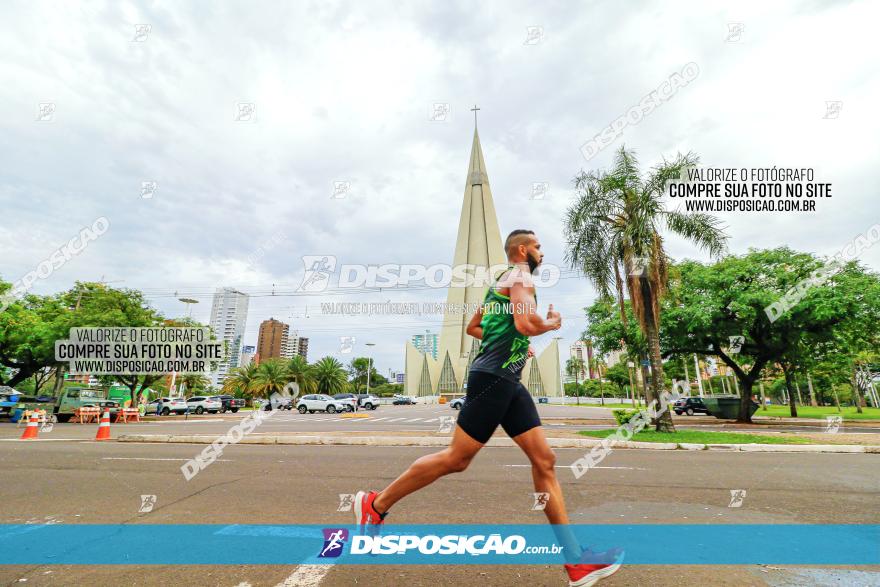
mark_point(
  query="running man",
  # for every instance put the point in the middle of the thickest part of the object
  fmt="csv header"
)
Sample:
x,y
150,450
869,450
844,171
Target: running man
x,y
504,323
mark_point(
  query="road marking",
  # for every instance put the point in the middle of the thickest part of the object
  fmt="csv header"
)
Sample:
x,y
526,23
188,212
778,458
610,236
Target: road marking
x,y
569,467
40,439
431,420
396,420
152,459
306,576
379,419
414,419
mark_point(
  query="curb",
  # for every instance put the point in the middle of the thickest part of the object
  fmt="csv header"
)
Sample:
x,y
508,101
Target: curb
x,y
443,441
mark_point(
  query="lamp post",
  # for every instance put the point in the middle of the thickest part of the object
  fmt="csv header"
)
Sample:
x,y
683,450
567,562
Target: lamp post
x,y
559,369
369,364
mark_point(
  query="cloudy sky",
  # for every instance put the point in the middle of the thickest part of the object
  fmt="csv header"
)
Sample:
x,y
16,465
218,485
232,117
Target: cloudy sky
x,y
344,92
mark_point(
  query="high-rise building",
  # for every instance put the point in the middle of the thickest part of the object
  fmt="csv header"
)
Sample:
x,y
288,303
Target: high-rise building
x,y
299,345
583,350
273,342
228,321
427,343
247,355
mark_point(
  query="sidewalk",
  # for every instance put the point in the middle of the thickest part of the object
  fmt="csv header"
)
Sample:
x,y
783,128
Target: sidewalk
x,y
556,440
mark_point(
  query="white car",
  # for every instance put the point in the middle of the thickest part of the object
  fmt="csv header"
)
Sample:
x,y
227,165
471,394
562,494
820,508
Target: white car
x,y
319,402
201,403
177,405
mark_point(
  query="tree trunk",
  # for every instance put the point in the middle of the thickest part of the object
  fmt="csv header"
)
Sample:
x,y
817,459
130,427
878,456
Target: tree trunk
x,y
745,402
812,391
59,380
664,422
836,398
791,404
763,397
857,391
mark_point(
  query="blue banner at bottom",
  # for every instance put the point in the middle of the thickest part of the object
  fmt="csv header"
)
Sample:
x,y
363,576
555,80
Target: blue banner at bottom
x,y
208,544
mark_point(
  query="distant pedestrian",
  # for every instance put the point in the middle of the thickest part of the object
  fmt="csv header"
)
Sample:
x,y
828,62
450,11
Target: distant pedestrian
x,y
159,406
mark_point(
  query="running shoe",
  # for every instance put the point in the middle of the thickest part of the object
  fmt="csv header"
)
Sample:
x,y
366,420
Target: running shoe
x,y
594,566
364,513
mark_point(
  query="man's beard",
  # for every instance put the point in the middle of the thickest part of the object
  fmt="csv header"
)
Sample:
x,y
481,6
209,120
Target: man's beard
x,y
533,263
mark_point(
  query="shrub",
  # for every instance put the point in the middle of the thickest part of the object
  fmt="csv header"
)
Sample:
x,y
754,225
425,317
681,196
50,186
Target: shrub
x,y
624,416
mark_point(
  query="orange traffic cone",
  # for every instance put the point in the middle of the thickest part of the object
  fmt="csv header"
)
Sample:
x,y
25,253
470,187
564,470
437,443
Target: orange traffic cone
x,y
104,427
33,427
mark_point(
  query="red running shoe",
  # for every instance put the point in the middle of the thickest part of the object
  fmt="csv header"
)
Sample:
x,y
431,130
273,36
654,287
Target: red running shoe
x,y
591,569
364,513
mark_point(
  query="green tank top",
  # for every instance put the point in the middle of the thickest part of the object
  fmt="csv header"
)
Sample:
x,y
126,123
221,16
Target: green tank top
x,y
503,350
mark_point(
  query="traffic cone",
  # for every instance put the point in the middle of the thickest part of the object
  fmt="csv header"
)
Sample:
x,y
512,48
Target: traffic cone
x,y
104,427
33,426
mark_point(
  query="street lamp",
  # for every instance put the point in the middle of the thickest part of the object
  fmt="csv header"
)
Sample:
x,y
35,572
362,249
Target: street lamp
x,y
370,365
189,302
559,369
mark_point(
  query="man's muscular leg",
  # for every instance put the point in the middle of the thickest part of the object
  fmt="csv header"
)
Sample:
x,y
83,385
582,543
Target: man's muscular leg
x,y
427,469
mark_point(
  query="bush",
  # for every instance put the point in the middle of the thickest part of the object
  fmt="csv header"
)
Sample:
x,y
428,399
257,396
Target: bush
x,y
624,416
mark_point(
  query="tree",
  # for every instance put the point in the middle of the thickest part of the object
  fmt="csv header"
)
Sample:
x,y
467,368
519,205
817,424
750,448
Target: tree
x,y
271,377
302,375
330,376
574,367
194,383
357,371
618,375
241,381
614,229
709,304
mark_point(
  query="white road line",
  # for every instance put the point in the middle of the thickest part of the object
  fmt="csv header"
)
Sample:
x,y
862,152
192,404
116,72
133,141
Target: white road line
x,y
396,420
152,459
379,419
414,419
431,420
569,467
306,576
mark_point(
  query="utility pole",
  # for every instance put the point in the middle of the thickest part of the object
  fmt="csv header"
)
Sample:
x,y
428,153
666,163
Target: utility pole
x,y
699,379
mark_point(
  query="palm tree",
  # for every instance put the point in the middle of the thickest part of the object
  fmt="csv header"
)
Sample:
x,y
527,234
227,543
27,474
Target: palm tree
x,y
272,376
573,367
330,376
241,380
613,229
302,375
194,382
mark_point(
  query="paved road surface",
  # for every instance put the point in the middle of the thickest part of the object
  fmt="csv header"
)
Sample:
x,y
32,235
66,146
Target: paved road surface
x,y
88,482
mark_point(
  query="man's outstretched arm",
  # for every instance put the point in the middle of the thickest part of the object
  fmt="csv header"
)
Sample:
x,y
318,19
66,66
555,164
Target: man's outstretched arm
x,y
525,312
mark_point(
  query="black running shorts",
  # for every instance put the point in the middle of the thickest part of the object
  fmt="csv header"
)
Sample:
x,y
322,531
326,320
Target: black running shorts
x,y
493,400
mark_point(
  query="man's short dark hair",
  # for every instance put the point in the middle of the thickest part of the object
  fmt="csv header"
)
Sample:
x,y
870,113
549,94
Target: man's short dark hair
x,y
513,235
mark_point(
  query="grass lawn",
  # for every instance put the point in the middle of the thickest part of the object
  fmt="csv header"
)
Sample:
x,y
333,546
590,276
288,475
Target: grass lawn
x,y
821,412
627,405
699,437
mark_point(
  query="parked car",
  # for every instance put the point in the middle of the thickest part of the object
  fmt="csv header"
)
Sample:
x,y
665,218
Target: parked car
x,y
690,406
280,403
457,403
403,400
177,405
367,401
229,403
202,403
319,402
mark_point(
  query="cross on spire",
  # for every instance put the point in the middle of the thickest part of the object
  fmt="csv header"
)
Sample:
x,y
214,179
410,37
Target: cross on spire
x,y
474,110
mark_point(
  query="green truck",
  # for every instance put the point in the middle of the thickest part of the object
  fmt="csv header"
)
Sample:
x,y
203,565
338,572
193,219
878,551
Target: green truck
x,y
80,397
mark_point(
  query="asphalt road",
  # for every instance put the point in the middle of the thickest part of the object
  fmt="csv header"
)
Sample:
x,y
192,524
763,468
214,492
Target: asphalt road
x,y
88,482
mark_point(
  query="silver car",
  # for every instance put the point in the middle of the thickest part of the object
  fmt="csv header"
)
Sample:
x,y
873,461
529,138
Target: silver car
x,y
323,403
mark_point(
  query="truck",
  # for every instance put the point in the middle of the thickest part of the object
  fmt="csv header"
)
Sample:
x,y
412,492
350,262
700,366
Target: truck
x,y
80,397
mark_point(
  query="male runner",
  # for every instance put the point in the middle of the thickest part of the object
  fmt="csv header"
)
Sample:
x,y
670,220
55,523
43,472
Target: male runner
x,y
504,323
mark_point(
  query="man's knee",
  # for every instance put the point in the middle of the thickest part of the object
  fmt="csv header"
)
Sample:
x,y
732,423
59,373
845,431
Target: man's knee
x,y
456,463
545,462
